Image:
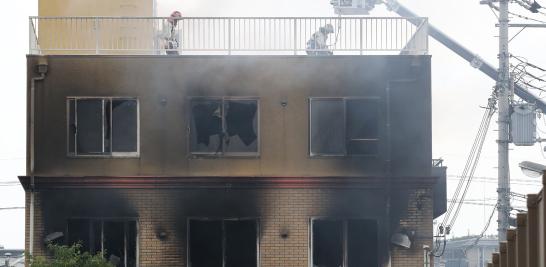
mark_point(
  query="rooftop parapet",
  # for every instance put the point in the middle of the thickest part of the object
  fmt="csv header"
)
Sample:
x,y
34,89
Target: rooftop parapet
x,y
227,35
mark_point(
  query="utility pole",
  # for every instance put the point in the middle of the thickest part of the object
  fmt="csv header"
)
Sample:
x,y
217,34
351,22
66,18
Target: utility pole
x,y
503,98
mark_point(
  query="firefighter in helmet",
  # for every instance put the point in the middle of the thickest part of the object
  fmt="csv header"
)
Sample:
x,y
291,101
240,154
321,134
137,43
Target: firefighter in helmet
x,y
318,43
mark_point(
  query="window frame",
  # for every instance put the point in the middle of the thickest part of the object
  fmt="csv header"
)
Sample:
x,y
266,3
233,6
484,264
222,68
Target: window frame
x,y
110,154
223,154
344,102
223,220
125,220
345,222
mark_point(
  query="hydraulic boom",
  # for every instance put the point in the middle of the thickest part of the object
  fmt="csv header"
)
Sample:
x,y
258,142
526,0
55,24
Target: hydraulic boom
x,y
463,52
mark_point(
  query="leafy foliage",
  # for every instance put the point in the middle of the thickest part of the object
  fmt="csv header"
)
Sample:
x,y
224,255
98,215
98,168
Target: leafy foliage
x,y
70,256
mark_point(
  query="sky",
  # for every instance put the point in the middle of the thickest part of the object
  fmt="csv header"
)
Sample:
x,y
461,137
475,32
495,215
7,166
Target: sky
x,y
458,94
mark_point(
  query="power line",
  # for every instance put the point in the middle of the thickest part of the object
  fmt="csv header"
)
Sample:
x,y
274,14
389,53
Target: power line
x,y
495,178
537,184
15,158
533,7
12,208
518,15
469,169
484,229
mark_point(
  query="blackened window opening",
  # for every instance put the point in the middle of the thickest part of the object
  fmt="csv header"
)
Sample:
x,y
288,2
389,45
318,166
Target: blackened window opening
x,y
206,243
362,126
362,242
223,126
102,126
116,239
344,243
344,126
327,243
223,243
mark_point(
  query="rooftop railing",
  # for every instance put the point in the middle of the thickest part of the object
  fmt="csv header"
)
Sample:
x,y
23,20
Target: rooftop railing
x,y
227,36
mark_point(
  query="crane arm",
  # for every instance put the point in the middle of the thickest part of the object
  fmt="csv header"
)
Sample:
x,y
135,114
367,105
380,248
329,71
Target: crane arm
x,y
466,54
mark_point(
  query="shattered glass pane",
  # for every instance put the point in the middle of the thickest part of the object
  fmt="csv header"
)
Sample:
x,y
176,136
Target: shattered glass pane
x,y
241,125
89,126
206,126
124,125
362,126
327,127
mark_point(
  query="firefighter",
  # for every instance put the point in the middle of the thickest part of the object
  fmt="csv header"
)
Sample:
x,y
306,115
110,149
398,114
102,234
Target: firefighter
x,y
317,45
170,36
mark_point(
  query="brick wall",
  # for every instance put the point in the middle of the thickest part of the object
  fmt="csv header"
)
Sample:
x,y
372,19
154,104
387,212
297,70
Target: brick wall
x,y
278,210
419,219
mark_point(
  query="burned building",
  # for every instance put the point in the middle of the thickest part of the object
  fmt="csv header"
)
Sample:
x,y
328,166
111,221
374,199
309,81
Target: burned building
x,y
211,159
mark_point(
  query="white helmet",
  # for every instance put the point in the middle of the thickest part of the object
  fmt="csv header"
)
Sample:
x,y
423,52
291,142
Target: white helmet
x,y
328,28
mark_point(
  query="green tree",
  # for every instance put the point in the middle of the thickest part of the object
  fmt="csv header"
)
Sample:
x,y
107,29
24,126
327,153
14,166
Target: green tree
x,y
70,256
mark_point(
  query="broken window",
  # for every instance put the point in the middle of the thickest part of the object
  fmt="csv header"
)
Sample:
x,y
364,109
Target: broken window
x,y
344,243
102,126
224,126
344,126
116,239
228,243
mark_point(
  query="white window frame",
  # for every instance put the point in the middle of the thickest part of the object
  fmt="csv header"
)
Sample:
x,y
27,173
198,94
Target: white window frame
x,y
344,224
105,154
223,99
125,220
345,153
188,237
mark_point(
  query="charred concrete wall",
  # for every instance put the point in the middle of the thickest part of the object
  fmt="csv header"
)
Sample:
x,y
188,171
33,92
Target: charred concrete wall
x,y
284,217
283,85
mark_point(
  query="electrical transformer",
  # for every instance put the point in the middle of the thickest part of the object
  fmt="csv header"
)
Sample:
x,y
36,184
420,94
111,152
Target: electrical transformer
x,y
523,125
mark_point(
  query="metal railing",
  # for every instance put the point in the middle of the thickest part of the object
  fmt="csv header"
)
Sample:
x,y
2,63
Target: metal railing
x,y
223,35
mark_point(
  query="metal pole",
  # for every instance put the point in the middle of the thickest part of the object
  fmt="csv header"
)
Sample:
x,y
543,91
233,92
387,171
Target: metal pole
x,y
503,96
97,35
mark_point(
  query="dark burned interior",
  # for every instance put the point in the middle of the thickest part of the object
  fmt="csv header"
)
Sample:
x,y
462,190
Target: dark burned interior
x,y
350,243
217,243
224,126
116,239
105,220
102,126
344,126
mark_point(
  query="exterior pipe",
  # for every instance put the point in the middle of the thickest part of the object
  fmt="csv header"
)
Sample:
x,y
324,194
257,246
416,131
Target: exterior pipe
x,y
32,157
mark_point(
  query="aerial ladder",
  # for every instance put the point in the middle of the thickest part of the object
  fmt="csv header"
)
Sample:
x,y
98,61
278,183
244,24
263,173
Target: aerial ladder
x,y
504,87
363,7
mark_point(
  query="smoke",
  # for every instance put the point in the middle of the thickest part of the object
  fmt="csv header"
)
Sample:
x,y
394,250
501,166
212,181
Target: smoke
x,y
60,205
208,8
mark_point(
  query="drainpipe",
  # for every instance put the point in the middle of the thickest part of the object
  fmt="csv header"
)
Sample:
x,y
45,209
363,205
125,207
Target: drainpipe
x,y
426,256
42,70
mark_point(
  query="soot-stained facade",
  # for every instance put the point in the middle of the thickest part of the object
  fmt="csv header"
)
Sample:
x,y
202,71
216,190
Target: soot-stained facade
x,y
231,160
